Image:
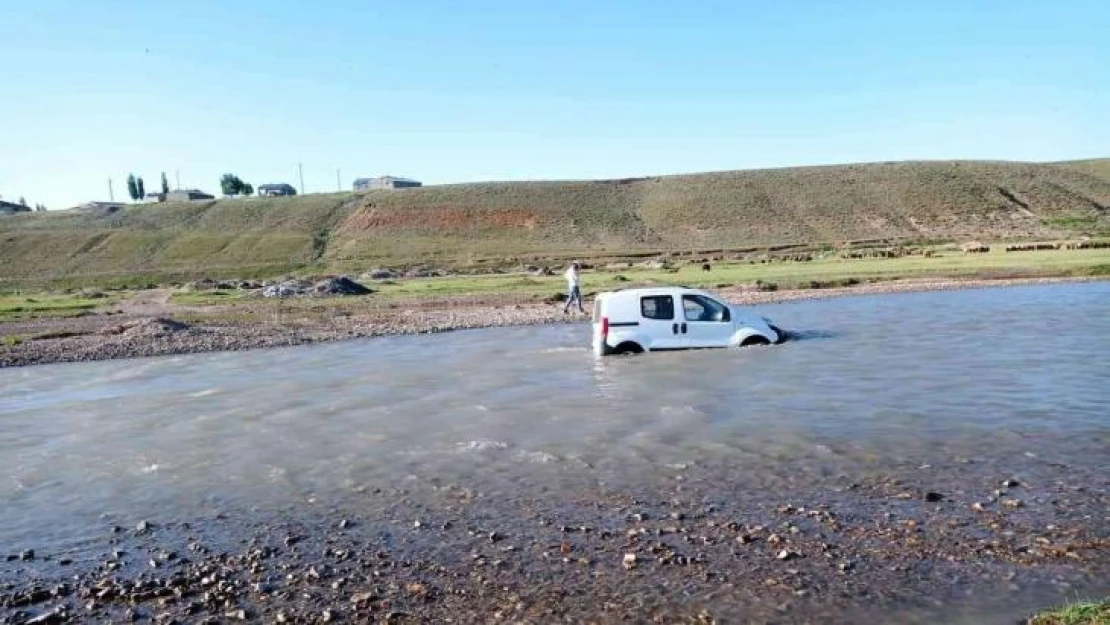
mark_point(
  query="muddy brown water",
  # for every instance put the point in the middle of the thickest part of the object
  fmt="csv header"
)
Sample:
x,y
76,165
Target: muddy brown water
x,y
953,390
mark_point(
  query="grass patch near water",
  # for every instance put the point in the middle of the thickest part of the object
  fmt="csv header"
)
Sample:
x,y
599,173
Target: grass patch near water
x,y
19,307
1081,613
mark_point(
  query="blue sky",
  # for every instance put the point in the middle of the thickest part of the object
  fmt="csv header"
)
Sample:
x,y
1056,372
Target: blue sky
x,y
501,90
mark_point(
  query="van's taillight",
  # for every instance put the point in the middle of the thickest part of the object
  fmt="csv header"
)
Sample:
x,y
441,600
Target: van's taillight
x,y
604,327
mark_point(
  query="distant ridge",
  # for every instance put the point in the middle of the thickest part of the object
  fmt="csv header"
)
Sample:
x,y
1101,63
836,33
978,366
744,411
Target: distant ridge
x,y
504,222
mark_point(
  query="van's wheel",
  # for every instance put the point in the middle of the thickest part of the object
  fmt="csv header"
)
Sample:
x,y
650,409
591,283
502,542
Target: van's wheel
x,y
628,347
754,340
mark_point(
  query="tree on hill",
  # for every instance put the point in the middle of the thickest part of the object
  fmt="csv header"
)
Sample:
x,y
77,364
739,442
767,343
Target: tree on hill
x,y
40,208
165,184
132,188
22,202
231,184
140,187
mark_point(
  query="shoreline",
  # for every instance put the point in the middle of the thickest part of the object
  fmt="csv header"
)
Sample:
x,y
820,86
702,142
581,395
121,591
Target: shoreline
x,y
154,332
696,547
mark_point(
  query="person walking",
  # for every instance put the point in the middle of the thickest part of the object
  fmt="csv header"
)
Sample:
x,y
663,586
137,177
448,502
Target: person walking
x,y
574,286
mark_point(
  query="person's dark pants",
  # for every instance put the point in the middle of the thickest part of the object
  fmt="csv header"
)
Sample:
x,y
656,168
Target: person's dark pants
x,y
575,297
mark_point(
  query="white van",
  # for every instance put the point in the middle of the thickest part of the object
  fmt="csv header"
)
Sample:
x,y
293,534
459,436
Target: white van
x,y
631,321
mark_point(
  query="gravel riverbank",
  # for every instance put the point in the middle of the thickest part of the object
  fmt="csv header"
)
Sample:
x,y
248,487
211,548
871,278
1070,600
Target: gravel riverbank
x,y
949,545
156,333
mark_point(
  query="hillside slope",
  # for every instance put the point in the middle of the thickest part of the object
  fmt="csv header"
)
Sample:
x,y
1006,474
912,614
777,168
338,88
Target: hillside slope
x,y
456,225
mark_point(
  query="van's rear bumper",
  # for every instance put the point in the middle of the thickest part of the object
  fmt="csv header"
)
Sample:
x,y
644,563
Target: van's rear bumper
x,y
600,345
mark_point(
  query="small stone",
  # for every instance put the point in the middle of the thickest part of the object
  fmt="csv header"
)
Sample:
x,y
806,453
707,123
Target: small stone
x,y
845,566
142,526
344,524
786,554
27,555
237,615
744,539
494,537
281,617
678,516
629,561
1010,483
416,524
933,496
1013,503
978,507
326,616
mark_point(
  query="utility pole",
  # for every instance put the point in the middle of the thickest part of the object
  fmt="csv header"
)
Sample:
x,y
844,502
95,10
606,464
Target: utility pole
x,y
111,196
338,184
300,172
177,178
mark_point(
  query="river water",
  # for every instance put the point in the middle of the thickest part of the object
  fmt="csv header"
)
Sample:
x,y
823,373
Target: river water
x,y
1014,378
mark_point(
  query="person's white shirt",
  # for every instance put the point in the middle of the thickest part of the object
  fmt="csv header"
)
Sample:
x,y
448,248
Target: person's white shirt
x,y
573,277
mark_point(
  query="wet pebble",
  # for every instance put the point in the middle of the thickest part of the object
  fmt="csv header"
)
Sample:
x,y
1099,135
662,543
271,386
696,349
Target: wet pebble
x,y
629,561
933,497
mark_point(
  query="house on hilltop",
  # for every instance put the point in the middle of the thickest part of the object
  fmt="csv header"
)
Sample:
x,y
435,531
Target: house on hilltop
x,y
186,195
386,182
276,190
8,208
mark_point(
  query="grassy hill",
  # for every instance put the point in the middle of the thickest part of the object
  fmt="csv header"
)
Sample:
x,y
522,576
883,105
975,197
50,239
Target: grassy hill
x,y
512,222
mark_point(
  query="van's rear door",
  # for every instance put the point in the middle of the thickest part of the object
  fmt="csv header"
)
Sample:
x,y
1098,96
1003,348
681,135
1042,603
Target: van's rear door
x,y
597,339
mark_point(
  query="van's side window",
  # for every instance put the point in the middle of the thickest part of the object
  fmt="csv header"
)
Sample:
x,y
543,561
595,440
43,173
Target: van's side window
x,y
657,307
698,308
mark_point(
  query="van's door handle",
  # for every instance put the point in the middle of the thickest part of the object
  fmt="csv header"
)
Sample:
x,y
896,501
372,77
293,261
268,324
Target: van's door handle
x,y
674,328
684,328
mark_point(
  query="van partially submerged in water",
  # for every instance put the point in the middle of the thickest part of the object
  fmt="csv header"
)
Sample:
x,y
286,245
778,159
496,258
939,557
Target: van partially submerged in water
x,y
632,321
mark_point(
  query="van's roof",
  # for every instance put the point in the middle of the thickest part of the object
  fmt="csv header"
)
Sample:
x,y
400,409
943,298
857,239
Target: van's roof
x,y
652,290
